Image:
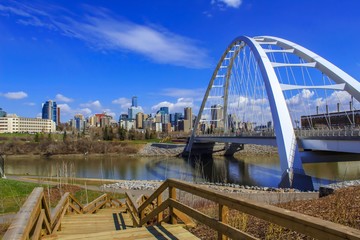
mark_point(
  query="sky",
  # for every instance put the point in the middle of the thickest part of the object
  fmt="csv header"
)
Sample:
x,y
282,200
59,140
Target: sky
x,y
93,56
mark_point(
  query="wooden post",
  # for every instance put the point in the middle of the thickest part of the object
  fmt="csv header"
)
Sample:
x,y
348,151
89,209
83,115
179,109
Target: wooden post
x,y
223,217
159,201
142,216
172,195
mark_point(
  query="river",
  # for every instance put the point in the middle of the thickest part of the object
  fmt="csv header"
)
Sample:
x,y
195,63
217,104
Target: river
x,y
246,170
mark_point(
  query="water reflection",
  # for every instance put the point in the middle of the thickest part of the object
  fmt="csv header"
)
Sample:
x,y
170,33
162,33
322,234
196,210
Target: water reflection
x,y
257,171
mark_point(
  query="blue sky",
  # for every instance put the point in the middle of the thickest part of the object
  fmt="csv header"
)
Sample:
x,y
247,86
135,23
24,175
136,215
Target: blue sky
x,y
93,56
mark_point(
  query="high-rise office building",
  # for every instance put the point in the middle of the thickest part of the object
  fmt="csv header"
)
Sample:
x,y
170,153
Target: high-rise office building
x,y
217,116
164,110
188,115
49,111
134,109
2,113
134,101
58,116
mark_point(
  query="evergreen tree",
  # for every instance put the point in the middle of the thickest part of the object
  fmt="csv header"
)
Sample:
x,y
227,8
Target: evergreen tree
x,y
64,136
147,134
105,133
110,134
131,135
36,137
122,133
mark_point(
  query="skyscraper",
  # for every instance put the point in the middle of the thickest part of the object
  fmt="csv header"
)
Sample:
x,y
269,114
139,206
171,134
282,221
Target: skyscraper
x,y
217,116
2,113
49,111
188,115
134,101
134,109
164,110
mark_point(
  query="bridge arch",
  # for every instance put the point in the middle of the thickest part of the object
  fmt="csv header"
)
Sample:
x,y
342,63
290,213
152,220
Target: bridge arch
x,y
289,155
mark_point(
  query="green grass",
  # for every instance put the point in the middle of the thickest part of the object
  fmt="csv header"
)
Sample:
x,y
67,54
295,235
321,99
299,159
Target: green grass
x,y
13,194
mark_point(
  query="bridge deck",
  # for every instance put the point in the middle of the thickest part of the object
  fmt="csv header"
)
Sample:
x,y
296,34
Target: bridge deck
x,y
114,223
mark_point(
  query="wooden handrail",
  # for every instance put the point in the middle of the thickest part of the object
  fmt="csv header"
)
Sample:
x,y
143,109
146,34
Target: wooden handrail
x,y
73,199
35,215
58,209
26,218
153,196
133,208
310,226
88,207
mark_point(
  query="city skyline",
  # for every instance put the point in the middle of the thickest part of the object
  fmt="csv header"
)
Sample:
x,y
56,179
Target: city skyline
x,y
91,58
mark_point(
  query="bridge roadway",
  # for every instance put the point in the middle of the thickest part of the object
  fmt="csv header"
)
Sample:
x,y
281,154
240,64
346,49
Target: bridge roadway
x,y
321,140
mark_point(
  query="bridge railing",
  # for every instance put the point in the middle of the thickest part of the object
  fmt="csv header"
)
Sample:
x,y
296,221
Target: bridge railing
x,y
324,132
153,210
319,132
35,216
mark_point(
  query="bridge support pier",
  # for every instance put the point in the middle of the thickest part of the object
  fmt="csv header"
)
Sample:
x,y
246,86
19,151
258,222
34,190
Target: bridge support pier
x,y
207,148
296,178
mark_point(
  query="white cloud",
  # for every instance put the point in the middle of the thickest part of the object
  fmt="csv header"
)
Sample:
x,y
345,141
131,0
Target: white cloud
x,y
123,102
178,106
15,95
102,31
61,98
197,94
66,110
227,3
95,104
300,97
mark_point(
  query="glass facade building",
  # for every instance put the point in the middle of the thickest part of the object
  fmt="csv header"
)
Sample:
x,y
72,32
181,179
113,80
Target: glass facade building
x,y
49,111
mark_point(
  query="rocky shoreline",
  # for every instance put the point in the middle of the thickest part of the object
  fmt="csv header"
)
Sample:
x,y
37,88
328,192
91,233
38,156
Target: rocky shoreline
x,y
166,149
331,188
222,187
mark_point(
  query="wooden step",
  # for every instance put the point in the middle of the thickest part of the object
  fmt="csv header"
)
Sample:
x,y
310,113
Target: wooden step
x,y
103,221
165,231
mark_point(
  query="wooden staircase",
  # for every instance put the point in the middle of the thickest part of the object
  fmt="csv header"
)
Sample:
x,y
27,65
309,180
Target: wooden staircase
x,y
151,217
114,223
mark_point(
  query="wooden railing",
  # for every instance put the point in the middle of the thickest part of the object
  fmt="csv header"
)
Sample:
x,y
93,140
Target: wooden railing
x,y
310,226
35,216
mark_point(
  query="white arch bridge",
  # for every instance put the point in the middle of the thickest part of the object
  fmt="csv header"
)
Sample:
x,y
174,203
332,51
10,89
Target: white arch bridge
x,y
270,91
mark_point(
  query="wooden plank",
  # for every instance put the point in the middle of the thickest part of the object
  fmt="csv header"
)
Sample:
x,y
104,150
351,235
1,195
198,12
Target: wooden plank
x,y
58,223
159,201
25,218
45,206
301,223
153,196
172,196
59,209
39,224
155,212
184,218
212,223
72,206
223,217
155,232
94,202
136,221
77,202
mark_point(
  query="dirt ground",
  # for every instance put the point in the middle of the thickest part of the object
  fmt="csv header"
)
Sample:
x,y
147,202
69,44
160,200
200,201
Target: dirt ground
x,y
342,207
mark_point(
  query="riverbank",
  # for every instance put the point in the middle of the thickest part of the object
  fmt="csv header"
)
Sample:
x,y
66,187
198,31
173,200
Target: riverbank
x,y
168,149
84,147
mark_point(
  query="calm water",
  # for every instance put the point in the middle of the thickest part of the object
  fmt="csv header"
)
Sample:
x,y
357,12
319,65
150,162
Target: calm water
x,y
256,171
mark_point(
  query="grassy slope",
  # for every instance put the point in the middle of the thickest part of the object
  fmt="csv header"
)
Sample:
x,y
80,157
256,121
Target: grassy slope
x,y
13,194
